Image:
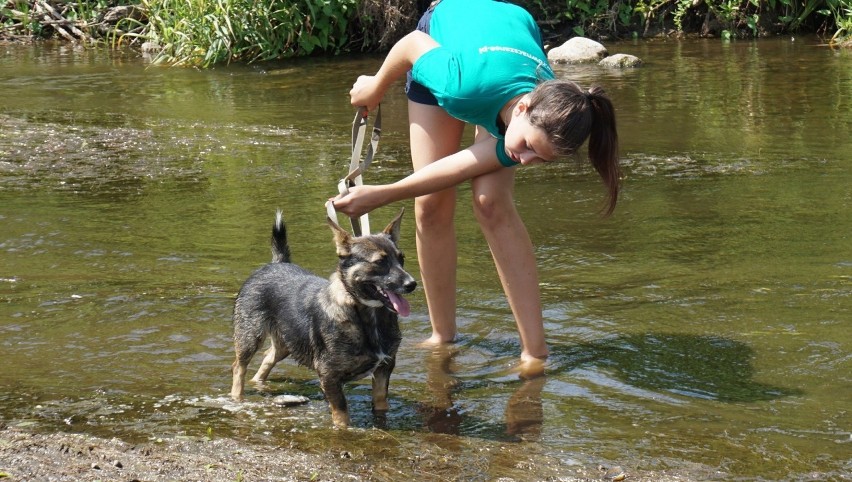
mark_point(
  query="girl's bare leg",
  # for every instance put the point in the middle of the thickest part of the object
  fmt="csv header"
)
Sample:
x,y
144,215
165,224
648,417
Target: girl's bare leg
x,y
515,261
434,135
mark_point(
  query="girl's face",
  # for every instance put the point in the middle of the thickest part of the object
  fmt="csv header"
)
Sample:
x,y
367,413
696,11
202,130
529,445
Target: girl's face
x,y
526,143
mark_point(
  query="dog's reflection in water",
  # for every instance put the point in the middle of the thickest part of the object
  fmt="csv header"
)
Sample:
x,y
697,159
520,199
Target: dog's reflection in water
x,y
524,413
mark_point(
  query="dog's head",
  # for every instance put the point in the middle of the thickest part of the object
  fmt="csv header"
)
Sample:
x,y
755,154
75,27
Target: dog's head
x,y
371,267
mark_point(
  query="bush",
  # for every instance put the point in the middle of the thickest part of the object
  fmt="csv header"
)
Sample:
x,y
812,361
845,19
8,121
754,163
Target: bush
x,y
745,18
207,32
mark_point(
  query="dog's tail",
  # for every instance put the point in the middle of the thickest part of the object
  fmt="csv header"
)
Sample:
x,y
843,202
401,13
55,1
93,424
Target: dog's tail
x,y
280,249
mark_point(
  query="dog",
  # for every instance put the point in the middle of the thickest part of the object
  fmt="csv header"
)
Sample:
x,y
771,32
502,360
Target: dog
x,y
345,327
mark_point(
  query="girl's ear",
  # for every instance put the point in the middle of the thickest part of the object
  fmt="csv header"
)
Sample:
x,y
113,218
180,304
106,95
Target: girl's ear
x,y
523,104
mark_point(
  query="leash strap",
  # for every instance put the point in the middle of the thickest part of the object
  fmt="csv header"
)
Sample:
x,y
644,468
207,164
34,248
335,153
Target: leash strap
x,y
360,226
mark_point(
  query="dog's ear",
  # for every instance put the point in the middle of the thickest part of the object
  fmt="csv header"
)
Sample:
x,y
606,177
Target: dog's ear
x,y
342,238
393,228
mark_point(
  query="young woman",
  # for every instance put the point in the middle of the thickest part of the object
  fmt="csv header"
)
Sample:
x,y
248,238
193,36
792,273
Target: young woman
x,y
482,62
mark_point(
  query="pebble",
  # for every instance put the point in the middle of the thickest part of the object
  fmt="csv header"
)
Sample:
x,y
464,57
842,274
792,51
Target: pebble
x,y
290,400
615,473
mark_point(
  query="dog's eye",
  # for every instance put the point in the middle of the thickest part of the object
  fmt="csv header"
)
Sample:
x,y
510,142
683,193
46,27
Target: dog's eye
x,y
383,263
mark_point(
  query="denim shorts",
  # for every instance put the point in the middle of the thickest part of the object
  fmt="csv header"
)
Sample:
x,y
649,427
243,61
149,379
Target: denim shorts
x,y
413,90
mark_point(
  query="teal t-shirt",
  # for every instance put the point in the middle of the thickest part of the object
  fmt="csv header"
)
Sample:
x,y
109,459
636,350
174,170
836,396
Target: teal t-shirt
x,y
490,52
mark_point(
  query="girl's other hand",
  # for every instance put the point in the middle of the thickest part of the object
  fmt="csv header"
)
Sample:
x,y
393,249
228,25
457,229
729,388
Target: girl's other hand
x,y
366,92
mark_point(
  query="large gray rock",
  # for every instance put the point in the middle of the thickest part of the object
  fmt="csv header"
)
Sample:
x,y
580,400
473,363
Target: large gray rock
x,y
621,61
577,50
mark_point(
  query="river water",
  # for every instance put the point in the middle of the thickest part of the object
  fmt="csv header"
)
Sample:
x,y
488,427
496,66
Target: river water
x,y
703,330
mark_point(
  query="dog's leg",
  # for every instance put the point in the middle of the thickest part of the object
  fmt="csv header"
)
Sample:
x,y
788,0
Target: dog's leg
x,y
381,379
239,372
247,339
333,390
274,354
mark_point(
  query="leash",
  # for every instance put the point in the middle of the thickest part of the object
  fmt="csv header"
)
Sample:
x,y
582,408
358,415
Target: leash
x,y
361,225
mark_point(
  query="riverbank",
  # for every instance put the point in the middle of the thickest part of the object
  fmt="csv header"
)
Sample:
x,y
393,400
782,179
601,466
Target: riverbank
x,y
65,457
78,457
206,34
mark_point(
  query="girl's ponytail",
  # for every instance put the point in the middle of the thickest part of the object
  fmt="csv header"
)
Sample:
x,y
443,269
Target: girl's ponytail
x,y
603,144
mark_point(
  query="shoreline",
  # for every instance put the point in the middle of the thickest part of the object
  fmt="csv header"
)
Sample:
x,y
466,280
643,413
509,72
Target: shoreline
x,y
59,457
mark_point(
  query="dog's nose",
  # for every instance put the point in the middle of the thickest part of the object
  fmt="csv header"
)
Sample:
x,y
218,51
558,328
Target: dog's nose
x,y
409,286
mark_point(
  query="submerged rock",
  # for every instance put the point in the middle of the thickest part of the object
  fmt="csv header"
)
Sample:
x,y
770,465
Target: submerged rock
x,y
621,61
290,400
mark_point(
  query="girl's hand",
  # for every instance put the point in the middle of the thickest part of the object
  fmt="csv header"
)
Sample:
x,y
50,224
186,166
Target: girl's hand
x,y
360,200
366,92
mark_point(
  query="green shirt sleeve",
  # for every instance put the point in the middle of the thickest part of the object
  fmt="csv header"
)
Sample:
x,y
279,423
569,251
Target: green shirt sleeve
x,y
504,158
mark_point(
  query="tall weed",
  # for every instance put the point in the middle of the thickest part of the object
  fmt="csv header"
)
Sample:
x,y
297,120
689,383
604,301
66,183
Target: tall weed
x,y
841,13
207,32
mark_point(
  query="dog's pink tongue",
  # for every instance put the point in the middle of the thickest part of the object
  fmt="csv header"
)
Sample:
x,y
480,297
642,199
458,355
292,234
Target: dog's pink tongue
x,y
399,303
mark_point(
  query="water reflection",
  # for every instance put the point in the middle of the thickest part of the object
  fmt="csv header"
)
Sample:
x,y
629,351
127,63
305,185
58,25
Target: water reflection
x,y
523,414
524,411
440,414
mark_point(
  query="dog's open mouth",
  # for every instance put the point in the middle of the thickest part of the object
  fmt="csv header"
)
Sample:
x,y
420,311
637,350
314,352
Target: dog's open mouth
x,y
395,302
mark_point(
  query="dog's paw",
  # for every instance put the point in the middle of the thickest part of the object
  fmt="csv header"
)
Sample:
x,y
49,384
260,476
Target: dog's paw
x,y
340,419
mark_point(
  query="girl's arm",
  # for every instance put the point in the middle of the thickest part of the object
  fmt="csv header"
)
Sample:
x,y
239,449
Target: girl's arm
x,y
478,159
369,90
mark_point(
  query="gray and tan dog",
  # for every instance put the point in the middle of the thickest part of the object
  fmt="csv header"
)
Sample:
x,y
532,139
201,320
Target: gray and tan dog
x,y
345,327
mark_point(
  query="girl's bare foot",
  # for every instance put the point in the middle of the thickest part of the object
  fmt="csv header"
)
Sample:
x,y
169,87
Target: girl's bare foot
x,y
530,367
435,340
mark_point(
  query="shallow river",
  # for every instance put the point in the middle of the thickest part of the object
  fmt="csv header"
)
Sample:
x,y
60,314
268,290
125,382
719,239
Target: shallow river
x,y
703,330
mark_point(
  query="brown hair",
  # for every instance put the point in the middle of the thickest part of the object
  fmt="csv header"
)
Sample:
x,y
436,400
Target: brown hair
x,y
570,115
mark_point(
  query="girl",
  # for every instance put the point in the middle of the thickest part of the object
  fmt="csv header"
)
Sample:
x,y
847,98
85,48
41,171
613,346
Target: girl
x,y
482,62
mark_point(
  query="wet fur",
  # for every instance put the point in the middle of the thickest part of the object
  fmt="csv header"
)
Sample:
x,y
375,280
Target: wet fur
x,y
340,326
